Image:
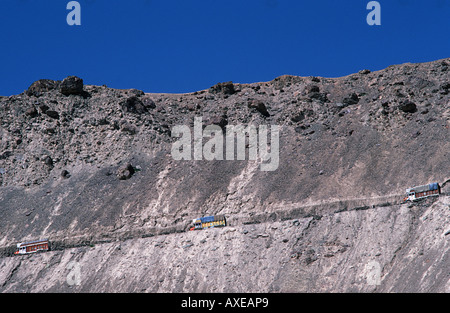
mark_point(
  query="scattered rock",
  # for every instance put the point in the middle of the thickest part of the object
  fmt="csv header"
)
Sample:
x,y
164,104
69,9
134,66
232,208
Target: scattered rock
x,y
48,161
136,92
259,106
310,256
364,72
43,108
408,106
148,103
312,89
313,92
71,85
28,212
65,174
41,86
125,172
31,112
226,88
129,128
52,114
188,245
134,105
286,81
320,96
298,117
445,88
351,99
5,154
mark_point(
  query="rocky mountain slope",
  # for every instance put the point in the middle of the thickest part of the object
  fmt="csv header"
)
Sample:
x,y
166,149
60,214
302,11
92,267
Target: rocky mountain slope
x,y
90,168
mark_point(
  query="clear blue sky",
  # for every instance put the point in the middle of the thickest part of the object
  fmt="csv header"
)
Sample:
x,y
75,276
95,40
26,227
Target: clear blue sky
x,y
184,46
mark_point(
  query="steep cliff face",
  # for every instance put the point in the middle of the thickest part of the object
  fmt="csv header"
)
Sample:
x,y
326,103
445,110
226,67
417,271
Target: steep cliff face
x,y
91,169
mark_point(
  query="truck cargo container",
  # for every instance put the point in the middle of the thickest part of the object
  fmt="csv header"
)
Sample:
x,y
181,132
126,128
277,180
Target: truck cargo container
x,y
32,246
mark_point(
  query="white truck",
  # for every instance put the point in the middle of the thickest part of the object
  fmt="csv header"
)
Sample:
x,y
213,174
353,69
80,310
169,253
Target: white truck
x,y
424,191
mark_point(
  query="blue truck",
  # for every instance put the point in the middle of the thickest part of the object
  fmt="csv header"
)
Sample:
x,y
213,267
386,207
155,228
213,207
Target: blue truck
x,y
208,222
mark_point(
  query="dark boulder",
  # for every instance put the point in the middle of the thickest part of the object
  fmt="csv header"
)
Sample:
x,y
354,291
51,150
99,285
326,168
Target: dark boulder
x,y
408,106
43,108
320,96
445,88
65,174
351,99
148,103
128,128
313,92
259,106
48,161
52,114
298,117
39,87
31,112
226,88
71,85
286,81
312,89
125,172
133,105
